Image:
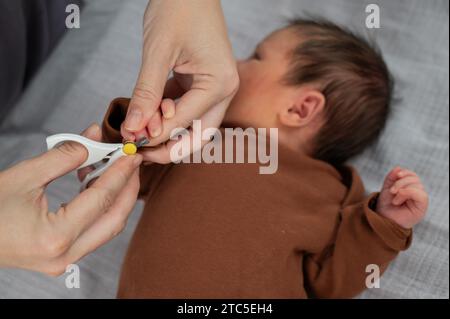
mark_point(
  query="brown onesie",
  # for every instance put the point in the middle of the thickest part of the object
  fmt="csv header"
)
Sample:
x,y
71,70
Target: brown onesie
x,y
226,231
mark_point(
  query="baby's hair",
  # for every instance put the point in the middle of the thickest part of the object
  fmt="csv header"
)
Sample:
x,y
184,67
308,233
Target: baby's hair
x,y
355,81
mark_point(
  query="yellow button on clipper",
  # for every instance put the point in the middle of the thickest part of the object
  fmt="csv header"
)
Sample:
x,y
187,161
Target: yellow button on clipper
x,y
129,148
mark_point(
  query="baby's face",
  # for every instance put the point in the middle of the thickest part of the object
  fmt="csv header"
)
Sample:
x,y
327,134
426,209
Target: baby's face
x,y
262,91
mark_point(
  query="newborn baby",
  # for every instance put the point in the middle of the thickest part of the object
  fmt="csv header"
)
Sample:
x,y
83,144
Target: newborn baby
x,y
306,231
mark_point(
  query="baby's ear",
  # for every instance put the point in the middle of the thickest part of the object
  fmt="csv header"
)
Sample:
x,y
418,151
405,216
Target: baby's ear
x,y
306,107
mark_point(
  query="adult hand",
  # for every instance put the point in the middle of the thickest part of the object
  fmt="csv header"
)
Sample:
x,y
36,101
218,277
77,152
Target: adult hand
x,y
187,37
33,238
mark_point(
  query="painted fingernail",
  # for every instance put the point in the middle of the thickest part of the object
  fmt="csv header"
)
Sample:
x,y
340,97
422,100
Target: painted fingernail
x,y
133,120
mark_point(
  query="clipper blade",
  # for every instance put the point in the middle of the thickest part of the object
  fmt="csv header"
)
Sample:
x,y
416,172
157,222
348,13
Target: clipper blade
x,y
143,141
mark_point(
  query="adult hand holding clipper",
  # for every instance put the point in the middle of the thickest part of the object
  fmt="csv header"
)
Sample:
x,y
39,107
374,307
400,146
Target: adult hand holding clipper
x,y
33,238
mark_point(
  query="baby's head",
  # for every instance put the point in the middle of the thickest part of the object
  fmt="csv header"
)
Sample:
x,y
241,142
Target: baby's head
x,y
326,90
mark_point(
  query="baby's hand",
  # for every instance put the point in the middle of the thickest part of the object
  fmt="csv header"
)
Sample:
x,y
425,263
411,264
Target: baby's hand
x,y
154,126
403,198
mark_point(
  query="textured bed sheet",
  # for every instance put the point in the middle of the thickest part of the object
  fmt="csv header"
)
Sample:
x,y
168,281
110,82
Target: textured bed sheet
x,y
100,61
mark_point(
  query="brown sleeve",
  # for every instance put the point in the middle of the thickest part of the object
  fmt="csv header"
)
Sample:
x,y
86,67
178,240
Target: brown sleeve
x,y
150,175
363,237
114,117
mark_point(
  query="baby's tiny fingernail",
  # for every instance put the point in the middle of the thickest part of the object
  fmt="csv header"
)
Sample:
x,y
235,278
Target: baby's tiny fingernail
x,y
155,132
169,113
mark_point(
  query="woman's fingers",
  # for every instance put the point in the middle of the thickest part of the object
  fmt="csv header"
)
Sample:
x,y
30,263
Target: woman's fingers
x,y
89,205
94,133
149,89
128,136
46,167
154,127
108,225
164,153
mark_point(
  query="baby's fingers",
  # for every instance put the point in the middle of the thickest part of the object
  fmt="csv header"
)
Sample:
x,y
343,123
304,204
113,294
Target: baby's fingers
x,y
410,180
403,172
155,125
417,195
391,178
168,108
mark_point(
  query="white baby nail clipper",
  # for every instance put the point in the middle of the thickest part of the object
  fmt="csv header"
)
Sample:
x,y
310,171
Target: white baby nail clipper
x,y
101,155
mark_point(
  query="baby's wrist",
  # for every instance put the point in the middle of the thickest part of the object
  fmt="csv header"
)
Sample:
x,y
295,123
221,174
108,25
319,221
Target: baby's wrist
x,y
374,206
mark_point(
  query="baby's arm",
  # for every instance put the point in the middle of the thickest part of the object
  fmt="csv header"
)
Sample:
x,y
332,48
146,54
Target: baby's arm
x,y
370,236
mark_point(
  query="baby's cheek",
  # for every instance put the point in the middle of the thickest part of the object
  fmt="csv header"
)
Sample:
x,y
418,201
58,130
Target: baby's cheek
x,y
251,87
248,75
